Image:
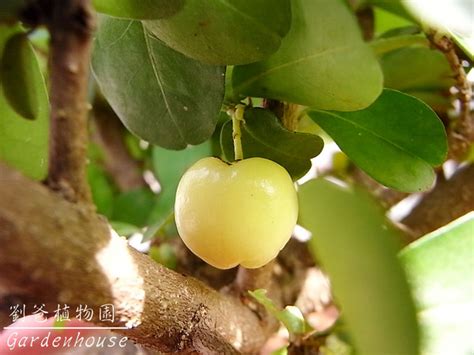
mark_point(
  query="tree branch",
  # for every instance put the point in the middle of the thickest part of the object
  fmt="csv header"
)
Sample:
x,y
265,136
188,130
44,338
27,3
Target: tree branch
x,y
70,25
461,134
58,252
121,166
450,199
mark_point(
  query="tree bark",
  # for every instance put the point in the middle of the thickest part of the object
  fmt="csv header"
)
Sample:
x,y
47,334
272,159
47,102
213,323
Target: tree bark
x,y
450,199
58,252
121,166
70,24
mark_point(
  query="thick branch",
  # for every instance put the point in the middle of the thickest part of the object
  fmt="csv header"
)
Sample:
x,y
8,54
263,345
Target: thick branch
x,y
56,251
121,166
70,26
450,199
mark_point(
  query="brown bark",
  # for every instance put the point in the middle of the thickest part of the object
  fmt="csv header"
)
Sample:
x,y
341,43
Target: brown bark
x,y
461,132
70,24
450,199
121,166
60,253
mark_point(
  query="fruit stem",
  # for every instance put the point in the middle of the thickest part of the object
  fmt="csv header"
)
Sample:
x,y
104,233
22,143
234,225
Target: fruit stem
x,y
237,118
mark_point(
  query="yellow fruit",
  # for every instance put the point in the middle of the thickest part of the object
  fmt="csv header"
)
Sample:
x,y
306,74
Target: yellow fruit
x,y
240,213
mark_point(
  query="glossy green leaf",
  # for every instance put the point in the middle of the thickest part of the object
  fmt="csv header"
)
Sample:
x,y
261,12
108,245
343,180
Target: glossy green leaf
x,y
322,62
24,143
291,317
264,136
226,31
422,72
396,140
17,75
169,166
159,94
139,9
134,207
355,244
440,267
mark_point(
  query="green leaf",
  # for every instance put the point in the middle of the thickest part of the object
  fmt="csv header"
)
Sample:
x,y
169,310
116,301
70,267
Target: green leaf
x,y
103,192
124,229
386,21
396,140
264,136
465,43
322,62
17,70
226,31
440,268
159,94
133,207
169,166
384,45
291,316
139,9
24,143
165,255
456,16
163,215
355,244
427,77
392,6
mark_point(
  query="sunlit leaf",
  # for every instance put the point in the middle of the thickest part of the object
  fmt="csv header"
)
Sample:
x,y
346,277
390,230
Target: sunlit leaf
x,y
355,245
322,62
440,267
456,16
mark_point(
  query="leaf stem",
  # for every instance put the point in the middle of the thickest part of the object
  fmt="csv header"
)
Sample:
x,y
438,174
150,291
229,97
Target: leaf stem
x,y
237,118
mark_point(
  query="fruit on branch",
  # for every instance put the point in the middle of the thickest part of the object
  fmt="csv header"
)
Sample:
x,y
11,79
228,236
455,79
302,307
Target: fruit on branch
x,y
239,213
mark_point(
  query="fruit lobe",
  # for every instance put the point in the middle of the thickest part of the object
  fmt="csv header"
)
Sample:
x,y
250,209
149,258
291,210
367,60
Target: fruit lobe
x,y
242,213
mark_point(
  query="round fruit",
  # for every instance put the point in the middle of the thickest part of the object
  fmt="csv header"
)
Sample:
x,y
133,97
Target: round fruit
x,y
239,213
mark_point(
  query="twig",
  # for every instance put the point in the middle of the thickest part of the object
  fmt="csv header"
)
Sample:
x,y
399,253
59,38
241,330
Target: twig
x,y
110,132
70,24
252,279
461,133
237,119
